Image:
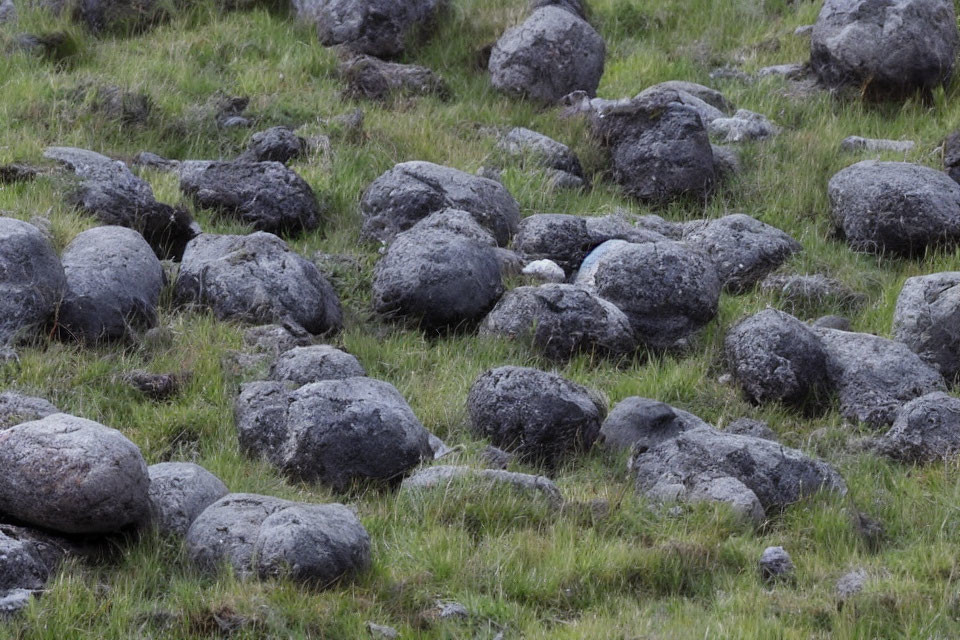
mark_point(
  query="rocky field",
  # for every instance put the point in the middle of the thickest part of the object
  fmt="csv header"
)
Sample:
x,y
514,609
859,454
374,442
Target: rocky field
x,y
479,319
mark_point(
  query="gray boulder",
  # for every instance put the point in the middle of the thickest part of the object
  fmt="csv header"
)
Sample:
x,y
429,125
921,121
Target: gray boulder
x,y
265,537
276,338
411,191
304,365
707,112
266,195
667,289
927,429
926,317
659,147
538,415
560,321
257,279
8,12
16,408
374,79
72,475
179,492
886,47
437,279
333,431
623,225
874,376
894,207
31,280
743,126
276,144
552,53
711,96
755,476
442,476
378,28
545,151
726,161
108,190
776,358
743,249
113,285
642,423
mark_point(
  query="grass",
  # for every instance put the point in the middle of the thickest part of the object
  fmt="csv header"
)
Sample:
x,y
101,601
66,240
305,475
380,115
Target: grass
x,y
637,571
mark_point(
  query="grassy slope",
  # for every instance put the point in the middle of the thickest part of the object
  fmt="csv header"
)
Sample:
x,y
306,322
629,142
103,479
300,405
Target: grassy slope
x,y
637,573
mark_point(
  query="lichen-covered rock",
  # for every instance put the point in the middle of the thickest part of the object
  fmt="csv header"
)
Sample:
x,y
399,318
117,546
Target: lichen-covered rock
x,y
561,320
538,415
375,79
72,475
31,280
811,290
442,476
894,207
743,249
114,281
874,376
743,126
179,492
667,289
553,53
411,191
265,537
926,320
885,47
266,195
776,358
108,190
257,279
437,279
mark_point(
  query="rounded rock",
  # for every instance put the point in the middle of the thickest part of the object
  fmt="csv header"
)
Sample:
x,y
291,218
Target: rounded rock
x,y
179,492
927,312
305,365
72,475
32,281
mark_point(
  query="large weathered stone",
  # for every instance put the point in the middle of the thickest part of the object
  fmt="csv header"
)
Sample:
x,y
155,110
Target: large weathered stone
x,y
261,536
885,47
436,278
756,477
72,475
333,431
257,279
411,191
539,415
378,28
927,319
926,429
108,190
561,320
743,249
179,492
875,376
31,280
113,285
266,195
551,54
776,358
895,207
667,289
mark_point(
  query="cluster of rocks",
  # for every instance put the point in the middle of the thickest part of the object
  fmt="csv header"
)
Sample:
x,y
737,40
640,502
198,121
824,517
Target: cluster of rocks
x,y
72,483
777,358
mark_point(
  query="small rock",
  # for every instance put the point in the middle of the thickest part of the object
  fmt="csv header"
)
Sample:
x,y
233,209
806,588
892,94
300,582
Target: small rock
x,y
276,144
775,565
743,126
380,28
14,601
14,173
16,408
833,322
179,492
852,583
753,428
928,308
856,143
373,79
926,429
150,160
156,386
305,365
803,31
441,476
726,161
812,290
547,152
792,70
276,338
382,632
544,271
641,423
495,458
